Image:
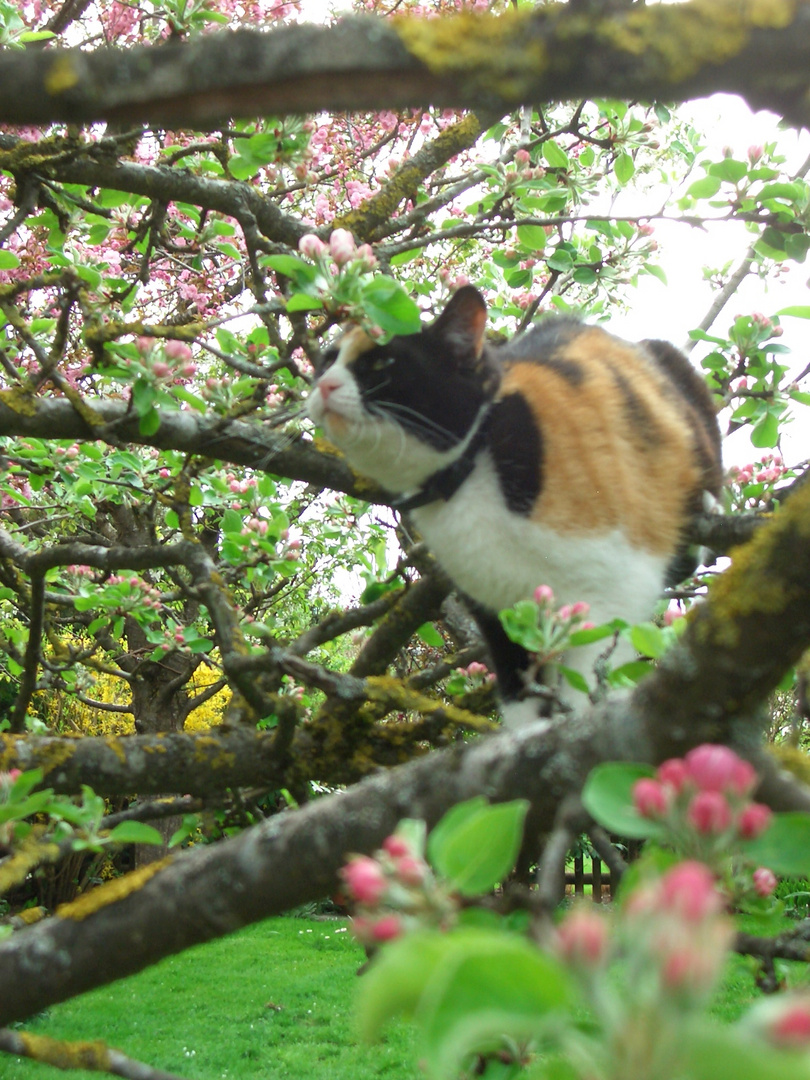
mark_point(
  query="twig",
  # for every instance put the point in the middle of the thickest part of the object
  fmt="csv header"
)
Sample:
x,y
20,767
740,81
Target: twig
x,y
95,1056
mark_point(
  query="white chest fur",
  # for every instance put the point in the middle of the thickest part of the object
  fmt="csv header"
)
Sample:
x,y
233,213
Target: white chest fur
x,y
498,557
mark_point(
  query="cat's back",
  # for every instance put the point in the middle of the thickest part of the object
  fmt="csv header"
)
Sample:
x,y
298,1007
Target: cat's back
x,y
625,434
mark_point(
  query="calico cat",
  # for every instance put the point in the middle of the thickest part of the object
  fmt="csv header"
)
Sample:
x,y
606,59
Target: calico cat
x,y
566,457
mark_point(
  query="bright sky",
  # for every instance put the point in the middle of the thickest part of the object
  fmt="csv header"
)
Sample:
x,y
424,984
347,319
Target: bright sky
x,y
669,311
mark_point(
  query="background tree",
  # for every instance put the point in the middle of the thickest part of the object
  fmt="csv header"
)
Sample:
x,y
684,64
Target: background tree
x,y
175,534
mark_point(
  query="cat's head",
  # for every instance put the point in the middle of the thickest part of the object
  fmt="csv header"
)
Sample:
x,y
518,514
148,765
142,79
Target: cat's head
x,y
404,410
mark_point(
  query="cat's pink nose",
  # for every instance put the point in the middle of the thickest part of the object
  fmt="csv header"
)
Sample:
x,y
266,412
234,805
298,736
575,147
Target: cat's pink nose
x,y
327,384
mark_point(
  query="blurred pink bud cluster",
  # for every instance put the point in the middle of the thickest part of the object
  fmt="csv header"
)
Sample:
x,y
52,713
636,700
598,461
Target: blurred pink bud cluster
x,y
704,799
679,926
341,249
770,469
393,891
567,613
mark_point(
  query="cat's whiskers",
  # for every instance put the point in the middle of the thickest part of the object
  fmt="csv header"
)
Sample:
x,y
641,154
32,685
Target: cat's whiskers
x,y
411,420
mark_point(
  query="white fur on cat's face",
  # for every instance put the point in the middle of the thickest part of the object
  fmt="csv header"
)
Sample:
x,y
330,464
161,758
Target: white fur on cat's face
x,y
376,445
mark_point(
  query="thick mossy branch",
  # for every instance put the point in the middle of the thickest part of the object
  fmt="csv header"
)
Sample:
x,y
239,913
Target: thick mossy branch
x,y
757,48
754,628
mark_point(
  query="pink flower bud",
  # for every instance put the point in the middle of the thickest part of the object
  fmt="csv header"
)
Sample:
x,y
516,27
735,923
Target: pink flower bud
x,y
396,846
791,1028
364,879
312,246
565,612
387,928
544,594
673,773
709,813
688,890
753,820
410,870
366,253
582,938
342,247
522,156
764,881
651,799
688,969
579,609
177,350
717,768
161,369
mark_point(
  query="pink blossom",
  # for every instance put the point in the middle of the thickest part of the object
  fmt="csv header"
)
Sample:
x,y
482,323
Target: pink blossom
x,y
544,594
522,156
673,773
792,1027
717,768
582,938
410,870
753,820
689,968
177,350
709,813
651,799
365,879
764,881
342,246
161,369
312,246
580,608
387,928
396,846
689,890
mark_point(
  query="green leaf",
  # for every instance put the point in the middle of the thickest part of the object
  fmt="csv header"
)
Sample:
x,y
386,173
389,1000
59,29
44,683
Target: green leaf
x,y
491,987
143,396
784,847
149,423
520,624
730,170
135,832
397,978
574,679
596,633
720,1052
428,633
624,167
302,273
8,260
630,673
704,188
798,311
302,302
765,433
532,237
478,846
608,797
555,155
648,639
656,271
387,304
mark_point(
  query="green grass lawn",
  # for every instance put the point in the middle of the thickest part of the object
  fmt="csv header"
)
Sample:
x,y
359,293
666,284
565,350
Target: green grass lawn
x,y
273,1001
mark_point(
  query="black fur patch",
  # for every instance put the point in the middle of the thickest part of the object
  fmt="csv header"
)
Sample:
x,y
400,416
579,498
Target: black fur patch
x,y
516,445
435,401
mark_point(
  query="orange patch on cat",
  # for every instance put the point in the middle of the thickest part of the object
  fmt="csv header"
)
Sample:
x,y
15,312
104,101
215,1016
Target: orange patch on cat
x,y
618,452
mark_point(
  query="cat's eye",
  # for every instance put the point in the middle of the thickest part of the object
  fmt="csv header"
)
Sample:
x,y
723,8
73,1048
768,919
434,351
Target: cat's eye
x,y
383,363
326,359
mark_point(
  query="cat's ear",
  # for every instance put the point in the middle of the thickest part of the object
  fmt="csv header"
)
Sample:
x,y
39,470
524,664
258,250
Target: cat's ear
x,y
461,324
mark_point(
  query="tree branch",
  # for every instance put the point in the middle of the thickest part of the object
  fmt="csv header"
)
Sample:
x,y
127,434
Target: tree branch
x,y
469,60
